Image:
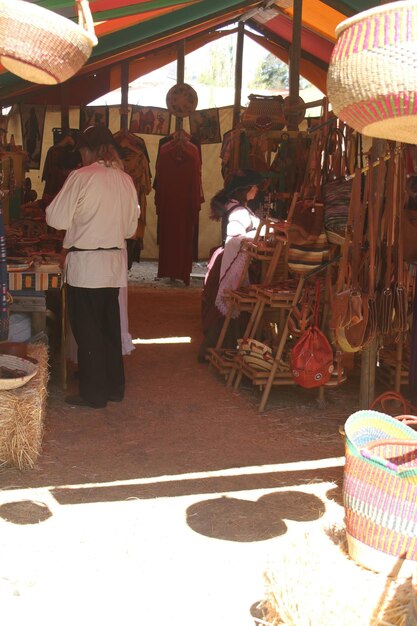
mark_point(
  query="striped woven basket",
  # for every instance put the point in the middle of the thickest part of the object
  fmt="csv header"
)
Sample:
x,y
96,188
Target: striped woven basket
x,y
380,492
372,76
41,46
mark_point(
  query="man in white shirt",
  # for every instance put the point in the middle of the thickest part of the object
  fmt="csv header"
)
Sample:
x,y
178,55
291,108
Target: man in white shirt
x,y
98,209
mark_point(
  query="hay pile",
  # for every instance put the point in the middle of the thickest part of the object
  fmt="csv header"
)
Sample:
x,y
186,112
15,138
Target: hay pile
x,y
22,415
315,583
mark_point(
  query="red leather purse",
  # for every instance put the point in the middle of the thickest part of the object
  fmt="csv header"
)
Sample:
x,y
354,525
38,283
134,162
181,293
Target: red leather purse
x,y
312,355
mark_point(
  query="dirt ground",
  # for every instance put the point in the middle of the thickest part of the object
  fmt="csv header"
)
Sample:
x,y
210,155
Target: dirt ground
x,y
166,508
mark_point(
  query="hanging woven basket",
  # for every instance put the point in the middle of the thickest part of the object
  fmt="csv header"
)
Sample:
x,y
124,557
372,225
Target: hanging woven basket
x,y
41,46
372,76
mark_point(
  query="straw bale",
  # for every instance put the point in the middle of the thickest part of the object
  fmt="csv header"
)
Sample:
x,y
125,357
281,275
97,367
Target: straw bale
x,y
22,415
315,583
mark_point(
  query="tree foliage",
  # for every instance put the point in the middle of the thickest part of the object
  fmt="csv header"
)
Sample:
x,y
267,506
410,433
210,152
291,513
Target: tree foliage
x,y
220,69
274,74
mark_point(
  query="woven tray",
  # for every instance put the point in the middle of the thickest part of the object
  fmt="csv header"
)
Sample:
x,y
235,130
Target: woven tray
x,y
14,363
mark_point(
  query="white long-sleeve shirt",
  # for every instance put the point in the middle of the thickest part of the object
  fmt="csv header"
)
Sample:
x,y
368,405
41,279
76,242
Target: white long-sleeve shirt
x,y
241,220
98,208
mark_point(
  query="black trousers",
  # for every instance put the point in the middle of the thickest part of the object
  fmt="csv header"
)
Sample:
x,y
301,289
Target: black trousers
x,y
95,322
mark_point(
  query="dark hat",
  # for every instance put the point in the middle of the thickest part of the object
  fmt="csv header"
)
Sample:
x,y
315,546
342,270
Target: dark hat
x,y
242,179
95,136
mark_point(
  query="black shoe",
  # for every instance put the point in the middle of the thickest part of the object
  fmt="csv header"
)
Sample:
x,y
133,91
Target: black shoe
x,y
115,398
79,401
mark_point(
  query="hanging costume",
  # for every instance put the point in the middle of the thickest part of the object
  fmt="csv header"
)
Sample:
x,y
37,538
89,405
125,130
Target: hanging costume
x,y
135,158
178,197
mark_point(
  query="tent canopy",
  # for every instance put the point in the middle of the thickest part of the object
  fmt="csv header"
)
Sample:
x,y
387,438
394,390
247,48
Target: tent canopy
x,y
146,34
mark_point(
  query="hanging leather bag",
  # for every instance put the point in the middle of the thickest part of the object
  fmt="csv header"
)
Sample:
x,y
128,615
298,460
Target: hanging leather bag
x,y
264,112
312,355
351,336
347,305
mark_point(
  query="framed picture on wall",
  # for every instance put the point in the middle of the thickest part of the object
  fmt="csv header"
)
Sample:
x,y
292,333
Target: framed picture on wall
x,y
205,125
93,116
150,120
32,117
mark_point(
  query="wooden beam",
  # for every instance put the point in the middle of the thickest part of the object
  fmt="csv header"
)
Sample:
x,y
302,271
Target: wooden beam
x,y
294,64
238,74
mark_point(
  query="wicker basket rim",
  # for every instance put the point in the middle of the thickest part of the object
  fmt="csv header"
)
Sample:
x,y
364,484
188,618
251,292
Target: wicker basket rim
x,y
385,8
11,360
26,12
363,414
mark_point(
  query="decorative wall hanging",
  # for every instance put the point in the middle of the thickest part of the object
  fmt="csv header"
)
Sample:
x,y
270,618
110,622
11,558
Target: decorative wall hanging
x,y
205,125
150,120
32,118
182,100
93,116
41,46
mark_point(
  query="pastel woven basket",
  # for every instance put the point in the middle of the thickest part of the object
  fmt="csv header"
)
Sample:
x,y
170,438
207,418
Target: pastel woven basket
x,y
41,46
380,491
372,76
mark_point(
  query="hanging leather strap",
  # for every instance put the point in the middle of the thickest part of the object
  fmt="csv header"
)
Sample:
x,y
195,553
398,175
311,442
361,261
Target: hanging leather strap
x,y
359,211
389,219
342,278
400,211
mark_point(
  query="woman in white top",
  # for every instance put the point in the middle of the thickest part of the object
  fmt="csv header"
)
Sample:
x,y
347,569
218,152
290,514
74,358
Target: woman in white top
x,y
230,206
98,208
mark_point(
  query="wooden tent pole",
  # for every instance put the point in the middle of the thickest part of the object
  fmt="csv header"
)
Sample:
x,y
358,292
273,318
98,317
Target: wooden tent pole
x,y
294,61
238,73
180,75
124,85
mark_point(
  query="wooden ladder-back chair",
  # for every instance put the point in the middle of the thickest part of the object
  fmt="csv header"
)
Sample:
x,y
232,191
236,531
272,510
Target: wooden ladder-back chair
x,y
266,246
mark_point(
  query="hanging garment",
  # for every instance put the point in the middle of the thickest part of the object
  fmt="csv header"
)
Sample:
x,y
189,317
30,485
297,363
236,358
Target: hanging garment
x,y
178,202
135,159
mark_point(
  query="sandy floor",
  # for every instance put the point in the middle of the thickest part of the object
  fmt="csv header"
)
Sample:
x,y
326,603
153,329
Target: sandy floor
x,y
166,508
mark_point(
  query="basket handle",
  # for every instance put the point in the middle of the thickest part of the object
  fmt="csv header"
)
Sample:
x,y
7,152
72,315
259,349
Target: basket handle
x,y
367,452
85,20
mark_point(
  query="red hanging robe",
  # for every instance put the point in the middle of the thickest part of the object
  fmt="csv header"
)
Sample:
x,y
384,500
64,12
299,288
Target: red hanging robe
x,y
178,202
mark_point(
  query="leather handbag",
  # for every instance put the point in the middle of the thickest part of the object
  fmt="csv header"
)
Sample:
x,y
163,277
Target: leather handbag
x,y
264,113
312,355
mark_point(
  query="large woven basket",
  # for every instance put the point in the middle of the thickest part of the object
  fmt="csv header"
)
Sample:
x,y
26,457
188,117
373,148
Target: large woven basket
x,y
380,491
372,76
41,46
